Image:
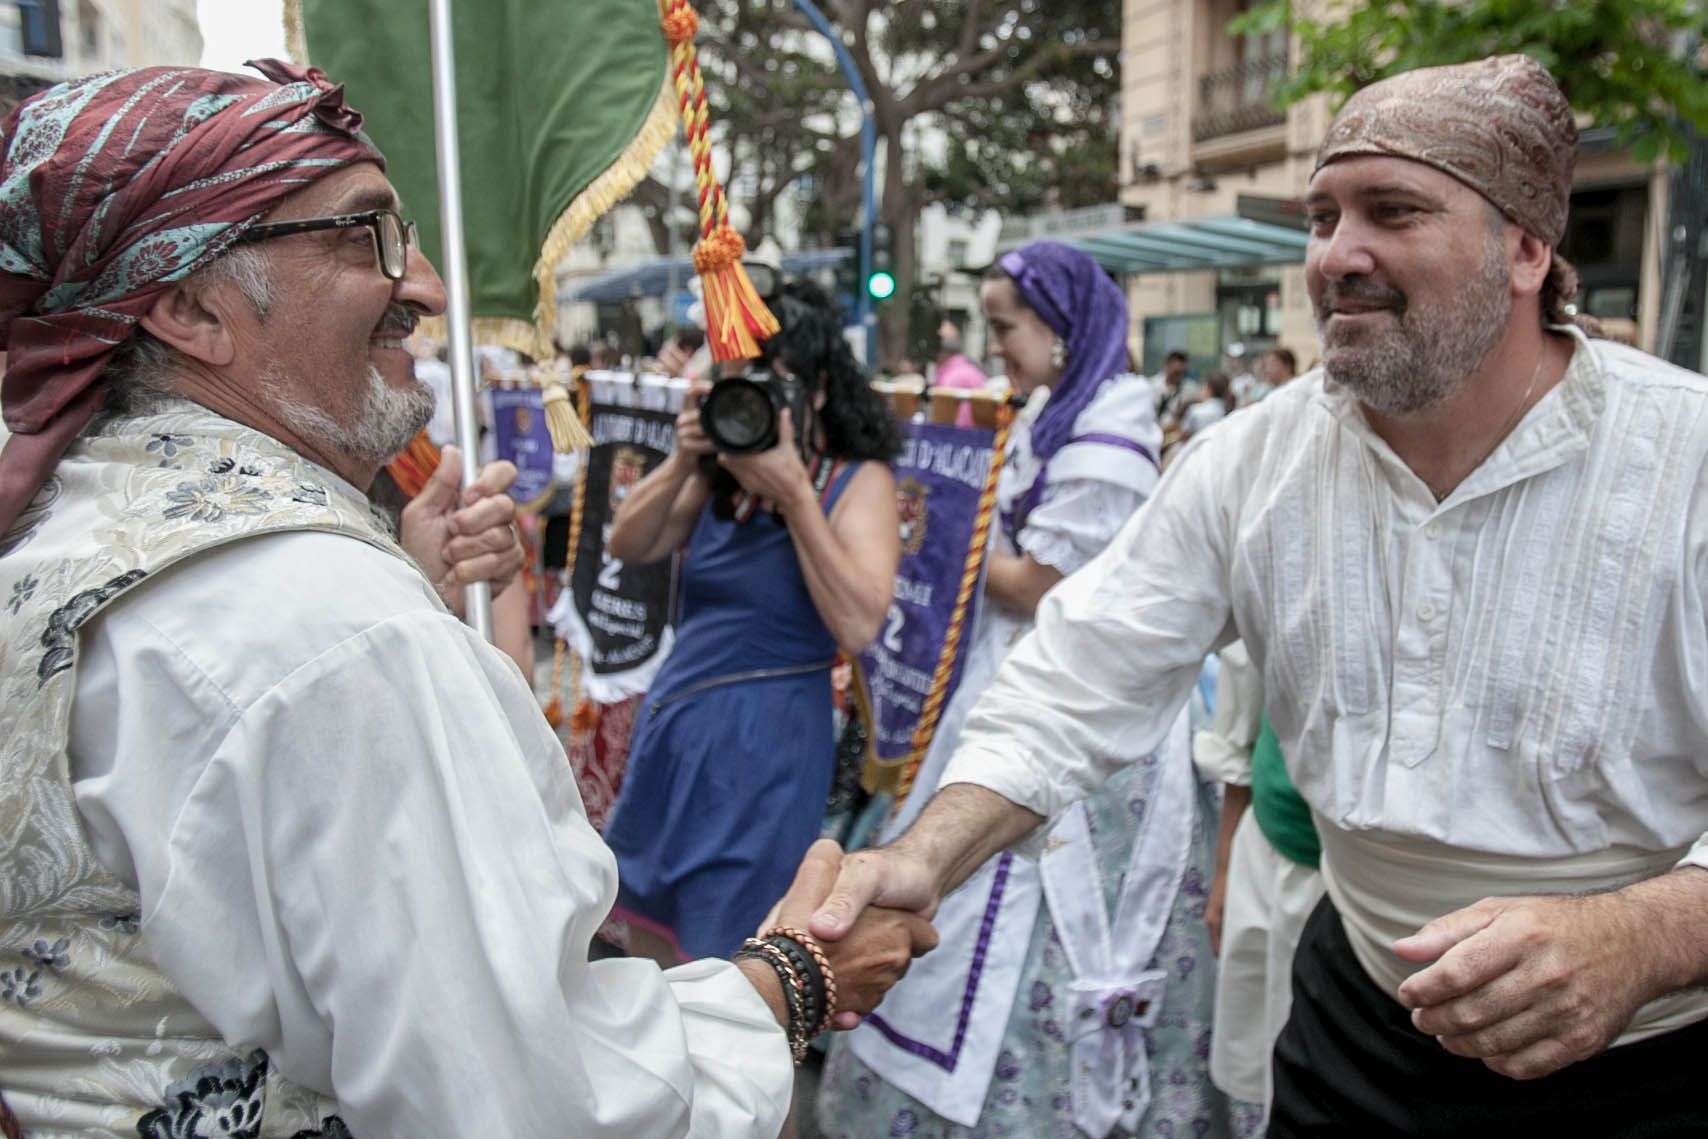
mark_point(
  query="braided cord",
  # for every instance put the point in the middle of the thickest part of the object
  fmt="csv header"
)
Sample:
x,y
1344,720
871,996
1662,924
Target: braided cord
x,y
736,317
935,696
582,717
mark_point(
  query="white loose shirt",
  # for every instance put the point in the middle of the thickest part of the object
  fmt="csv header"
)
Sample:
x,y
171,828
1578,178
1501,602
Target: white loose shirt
x,y
1513,681
358,846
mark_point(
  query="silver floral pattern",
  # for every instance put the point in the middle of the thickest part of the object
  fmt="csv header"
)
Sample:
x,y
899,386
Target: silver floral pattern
x,y
22,590
52,957
216,1101
60,636
20,986
167,444
131,495
213,498
37,512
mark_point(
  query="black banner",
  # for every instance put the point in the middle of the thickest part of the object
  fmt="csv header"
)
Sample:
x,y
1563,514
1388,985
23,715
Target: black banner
x,y
621,612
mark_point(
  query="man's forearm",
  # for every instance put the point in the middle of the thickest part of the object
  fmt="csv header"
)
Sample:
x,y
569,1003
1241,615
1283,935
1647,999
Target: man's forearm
x,y
1673,911
961,827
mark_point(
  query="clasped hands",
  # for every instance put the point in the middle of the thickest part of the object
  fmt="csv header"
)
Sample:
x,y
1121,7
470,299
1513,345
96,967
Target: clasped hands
x,y
868,954
460,536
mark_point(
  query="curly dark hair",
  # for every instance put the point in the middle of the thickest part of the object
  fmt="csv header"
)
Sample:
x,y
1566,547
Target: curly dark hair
x,y
857,421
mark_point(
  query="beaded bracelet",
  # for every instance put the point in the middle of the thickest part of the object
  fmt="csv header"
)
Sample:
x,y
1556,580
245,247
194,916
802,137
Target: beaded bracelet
x,y
798,1030
826,974
809,973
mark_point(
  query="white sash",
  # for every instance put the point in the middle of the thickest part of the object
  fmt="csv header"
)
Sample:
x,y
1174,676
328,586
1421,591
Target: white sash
x,y
937,1035
1115,997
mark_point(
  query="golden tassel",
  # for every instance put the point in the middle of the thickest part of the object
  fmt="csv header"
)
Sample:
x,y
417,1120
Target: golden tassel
x,y
562,421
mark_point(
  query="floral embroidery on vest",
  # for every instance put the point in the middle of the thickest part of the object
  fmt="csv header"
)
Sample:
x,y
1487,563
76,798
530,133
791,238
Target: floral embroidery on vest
x,y
132,497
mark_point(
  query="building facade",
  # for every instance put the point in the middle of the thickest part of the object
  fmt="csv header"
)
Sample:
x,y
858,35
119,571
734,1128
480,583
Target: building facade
x,y
43,42
1198,134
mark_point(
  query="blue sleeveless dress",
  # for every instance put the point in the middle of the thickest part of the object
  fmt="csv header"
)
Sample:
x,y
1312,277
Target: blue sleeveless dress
x,y
728,771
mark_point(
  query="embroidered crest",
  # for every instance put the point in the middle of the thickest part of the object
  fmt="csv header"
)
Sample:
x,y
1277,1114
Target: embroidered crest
x,y
627,467
912,506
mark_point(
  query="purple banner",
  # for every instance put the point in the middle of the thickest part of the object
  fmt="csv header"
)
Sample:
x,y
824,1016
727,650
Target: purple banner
x,y
939,477
519,434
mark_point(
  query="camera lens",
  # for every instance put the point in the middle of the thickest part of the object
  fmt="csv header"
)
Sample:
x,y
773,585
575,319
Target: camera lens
x,y
738,417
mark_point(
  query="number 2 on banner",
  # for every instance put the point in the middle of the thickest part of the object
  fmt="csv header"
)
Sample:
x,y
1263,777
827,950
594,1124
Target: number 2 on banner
x,y
608,573
892,631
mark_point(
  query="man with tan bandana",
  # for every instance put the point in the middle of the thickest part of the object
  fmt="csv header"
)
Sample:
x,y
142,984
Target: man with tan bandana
x,y
1470,556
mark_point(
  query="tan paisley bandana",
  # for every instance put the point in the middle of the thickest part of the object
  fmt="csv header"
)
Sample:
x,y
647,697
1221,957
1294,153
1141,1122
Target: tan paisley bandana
x,y
1500,125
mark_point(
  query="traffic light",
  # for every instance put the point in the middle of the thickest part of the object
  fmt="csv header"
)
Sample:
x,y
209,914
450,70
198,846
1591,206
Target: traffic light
x,y
881,279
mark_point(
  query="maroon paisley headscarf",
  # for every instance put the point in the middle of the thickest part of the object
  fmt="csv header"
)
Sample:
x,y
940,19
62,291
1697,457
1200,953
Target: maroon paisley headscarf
x,y
114,187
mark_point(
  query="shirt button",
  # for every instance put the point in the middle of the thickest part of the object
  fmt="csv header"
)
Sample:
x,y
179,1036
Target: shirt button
x,y
1433,530
1426,612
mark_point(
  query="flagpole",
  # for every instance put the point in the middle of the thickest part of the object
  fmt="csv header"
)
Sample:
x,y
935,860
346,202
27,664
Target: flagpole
x,y
453,264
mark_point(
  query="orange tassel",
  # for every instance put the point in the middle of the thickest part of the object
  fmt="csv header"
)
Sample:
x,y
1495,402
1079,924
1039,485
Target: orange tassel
x,y
554,713
736,317
585,719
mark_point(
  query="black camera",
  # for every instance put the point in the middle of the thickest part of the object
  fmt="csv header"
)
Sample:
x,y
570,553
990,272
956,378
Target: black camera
x,y
740,414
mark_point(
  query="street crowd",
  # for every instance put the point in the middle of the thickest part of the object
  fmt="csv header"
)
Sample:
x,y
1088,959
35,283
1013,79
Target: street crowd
x,y
1328,754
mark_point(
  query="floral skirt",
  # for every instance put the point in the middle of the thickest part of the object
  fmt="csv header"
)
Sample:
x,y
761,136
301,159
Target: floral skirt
x,y
1028,1096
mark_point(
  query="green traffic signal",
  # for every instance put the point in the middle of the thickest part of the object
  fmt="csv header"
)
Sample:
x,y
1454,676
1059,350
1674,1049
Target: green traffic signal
x,y
881,286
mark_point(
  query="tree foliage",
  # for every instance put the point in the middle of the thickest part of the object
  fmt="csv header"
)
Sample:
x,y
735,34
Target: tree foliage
x,y
977,104
1637,66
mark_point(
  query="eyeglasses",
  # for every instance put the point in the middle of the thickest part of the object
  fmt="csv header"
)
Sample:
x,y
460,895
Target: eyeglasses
x,y
392,235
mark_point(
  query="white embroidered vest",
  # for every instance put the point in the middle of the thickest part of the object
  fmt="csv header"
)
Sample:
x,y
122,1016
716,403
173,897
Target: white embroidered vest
x,y
94,1040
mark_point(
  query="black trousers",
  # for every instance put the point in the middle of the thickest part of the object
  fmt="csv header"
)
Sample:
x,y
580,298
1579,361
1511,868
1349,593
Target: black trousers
x,y
1350,1064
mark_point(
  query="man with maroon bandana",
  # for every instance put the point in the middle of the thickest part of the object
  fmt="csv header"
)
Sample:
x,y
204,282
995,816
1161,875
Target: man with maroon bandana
x,y
285,850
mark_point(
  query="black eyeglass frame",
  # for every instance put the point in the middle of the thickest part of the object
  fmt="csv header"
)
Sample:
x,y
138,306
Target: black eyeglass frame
x,y
374,220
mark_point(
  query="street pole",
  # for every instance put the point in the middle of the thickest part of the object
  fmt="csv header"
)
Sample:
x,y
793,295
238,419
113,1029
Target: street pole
x,y
868,148
453,264
673,283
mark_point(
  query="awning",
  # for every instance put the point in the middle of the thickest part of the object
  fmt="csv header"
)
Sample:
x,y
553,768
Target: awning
x,y
652,278
1263,231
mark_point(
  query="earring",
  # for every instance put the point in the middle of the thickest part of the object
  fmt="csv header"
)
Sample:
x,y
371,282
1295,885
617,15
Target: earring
x,y
1058,354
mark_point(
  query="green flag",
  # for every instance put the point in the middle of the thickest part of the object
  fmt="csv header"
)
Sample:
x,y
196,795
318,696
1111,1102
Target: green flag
x,y
561,106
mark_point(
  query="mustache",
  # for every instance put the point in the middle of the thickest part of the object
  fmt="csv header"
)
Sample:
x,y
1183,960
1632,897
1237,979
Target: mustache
x,y
1362,290
399,319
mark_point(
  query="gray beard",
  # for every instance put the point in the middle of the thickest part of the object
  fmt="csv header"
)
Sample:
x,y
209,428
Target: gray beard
x,y
389,418
1431,353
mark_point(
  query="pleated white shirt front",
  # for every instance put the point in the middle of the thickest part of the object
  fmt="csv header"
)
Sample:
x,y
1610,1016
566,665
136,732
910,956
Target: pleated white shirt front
x,y
1518,673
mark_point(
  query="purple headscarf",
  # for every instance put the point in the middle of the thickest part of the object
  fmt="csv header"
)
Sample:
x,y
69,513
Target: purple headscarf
x,y
1073,296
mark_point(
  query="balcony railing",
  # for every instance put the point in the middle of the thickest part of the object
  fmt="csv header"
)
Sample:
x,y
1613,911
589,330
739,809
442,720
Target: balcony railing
x,y
1238,98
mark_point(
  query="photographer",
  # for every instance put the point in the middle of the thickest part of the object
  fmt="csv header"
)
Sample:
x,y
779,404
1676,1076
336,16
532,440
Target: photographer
x,y
791,554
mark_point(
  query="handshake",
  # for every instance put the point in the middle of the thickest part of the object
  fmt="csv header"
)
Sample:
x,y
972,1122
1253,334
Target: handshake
x,y
867,913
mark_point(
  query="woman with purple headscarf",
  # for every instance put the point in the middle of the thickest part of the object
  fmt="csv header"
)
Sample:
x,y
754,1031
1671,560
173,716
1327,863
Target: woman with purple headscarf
x,y
1027,1021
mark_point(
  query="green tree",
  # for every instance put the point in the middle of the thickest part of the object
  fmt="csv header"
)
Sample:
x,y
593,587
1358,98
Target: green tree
x,y
978,104
1638,66
777,113
1021,90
